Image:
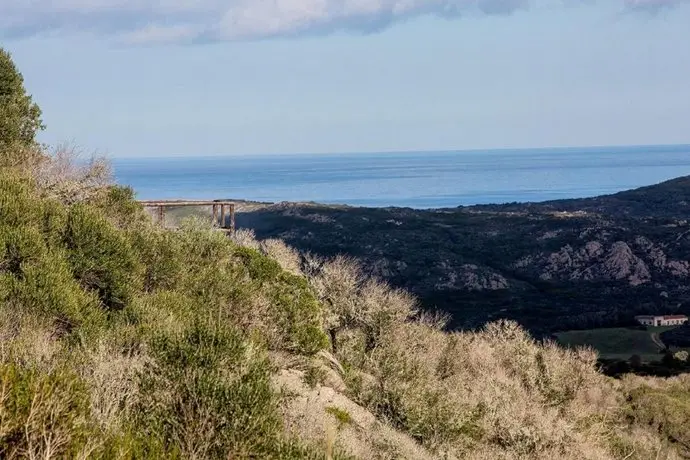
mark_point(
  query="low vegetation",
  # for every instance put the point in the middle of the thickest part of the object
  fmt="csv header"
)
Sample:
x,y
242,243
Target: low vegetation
x,y
636,349
121,339
616,343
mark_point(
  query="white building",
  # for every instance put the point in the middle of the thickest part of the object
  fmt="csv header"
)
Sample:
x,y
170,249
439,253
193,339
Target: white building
x,y
663,320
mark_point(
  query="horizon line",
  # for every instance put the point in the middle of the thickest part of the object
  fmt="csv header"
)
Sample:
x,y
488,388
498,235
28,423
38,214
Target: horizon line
x,y
401,152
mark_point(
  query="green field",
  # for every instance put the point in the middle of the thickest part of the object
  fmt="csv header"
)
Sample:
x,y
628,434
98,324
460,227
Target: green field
x,y
616,343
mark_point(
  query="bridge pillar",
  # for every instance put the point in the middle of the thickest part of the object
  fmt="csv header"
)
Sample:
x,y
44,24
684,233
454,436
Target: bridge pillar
x,y
222,216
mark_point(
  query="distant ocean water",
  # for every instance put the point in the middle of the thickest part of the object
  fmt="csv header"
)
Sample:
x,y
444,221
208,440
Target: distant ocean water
x,y
415,179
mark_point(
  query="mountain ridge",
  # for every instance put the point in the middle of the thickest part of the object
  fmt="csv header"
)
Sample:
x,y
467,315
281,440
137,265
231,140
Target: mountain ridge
x,y
571,263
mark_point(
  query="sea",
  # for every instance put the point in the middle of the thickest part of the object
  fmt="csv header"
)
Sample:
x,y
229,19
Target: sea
x,y
411,179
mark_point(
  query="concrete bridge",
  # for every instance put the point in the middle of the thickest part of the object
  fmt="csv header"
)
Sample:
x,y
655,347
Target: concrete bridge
x,y
223,212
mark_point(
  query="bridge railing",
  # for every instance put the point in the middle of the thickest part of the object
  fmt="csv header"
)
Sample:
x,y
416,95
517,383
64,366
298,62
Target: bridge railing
x,y
226,209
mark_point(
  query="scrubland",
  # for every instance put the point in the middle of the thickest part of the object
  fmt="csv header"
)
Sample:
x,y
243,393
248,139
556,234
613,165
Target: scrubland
x,y
121,339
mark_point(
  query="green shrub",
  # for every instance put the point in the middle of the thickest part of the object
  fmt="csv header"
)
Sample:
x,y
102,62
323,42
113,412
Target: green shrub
x,y
43,415
119,205
294,308
19,246
161,311
101,257
161,254
20,117
298,314
47,287
53,223
248,289
259,268
19,203
201,245
210,396
39,280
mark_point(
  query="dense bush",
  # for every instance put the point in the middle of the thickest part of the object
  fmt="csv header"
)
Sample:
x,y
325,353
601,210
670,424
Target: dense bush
x,y
495,393
663,405
101,257
210,396
144,342
43,414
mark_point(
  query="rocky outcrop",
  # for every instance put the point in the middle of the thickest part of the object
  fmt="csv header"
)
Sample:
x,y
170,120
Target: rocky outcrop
x,y
386,268
618,261
659,259
471,277
591,262
620,264
679,268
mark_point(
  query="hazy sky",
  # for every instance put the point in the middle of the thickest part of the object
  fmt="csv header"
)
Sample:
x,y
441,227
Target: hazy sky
x,y
208,77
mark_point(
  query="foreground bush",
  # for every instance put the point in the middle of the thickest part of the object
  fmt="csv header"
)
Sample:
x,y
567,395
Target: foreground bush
x,y
43,414
662,405
122,339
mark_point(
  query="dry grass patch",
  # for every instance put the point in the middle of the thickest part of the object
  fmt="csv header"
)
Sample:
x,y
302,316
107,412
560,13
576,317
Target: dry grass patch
x,y
287,257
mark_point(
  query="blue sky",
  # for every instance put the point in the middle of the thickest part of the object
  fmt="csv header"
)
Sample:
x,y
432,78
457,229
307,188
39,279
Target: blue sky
x,y
215,77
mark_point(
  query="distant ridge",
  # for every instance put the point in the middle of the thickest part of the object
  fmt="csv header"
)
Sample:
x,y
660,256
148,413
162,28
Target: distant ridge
x,y
553,265
669,199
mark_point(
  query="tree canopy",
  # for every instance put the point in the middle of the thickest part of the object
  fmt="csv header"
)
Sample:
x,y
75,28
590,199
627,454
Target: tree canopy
x,y
20,116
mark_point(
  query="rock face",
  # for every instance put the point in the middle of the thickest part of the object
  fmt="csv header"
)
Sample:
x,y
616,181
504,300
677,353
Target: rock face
x,y
592,262
620,263
472,278
679,268
659,259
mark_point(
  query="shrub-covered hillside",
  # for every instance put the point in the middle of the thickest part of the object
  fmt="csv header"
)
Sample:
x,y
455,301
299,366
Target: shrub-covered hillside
x,y
121,339
124,340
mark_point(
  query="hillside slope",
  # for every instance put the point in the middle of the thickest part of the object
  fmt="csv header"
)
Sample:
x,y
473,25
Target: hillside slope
x,y
551,266
121,339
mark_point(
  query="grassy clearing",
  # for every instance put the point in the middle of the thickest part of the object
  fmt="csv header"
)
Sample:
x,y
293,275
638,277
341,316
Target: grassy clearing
x,y
616,343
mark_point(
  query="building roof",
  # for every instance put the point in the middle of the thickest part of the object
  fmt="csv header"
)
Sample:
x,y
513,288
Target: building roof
x,y
661,316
